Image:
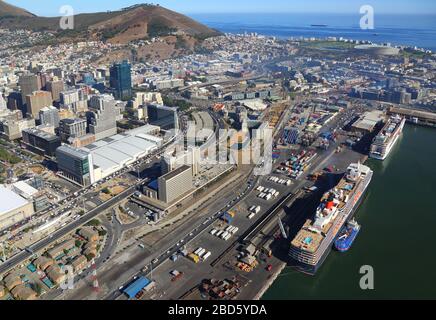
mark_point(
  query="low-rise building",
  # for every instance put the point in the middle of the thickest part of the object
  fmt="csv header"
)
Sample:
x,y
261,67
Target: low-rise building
x,y
42,263
11,281
79,264
55,274
89,234
59,249
21,292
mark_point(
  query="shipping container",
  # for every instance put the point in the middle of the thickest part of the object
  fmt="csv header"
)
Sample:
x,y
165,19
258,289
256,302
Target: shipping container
x,y
207,255
203,251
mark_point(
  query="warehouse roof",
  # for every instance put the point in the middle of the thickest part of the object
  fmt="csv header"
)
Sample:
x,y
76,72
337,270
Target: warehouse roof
x,y
9,200
132,290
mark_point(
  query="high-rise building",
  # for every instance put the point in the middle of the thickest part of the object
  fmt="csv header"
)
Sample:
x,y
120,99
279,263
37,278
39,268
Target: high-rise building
x,y
75,165
55,87
28,84
41,142
49,116
174,184
36,101
75,100
121,80
71,128
162,116
15,102
102,116
12,129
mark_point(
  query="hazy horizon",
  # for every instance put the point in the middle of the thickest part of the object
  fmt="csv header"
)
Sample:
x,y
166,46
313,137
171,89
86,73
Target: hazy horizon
x,y
385,7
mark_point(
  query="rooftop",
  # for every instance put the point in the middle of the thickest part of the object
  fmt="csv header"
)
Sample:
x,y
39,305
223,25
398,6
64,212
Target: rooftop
x,y
176,172
9,200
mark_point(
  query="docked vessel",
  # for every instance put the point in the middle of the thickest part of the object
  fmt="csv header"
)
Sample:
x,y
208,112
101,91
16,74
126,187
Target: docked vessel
x,y
386,139
314,241
346,237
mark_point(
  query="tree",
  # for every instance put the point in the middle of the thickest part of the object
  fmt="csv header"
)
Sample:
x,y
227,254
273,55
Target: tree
x,y
94,223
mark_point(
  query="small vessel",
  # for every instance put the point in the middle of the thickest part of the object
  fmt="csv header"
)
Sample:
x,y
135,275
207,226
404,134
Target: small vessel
x,y
318,25
347,236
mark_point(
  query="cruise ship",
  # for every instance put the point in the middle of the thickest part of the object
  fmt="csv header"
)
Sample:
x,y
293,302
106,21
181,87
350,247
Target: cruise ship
x,y
386,139
314,241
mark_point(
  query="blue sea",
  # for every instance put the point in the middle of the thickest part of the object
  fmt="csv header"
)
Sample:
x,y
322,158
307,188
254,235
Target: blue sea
x,y
408,30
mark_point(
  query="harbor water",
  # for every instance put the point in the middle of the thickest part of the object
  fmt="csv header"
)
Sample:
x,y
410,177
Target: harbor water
x,y
397,238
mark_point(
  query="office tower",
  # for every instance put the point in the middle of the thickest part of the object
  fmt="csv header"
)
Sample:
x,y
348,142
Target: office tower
x,y
75,165
164,117
36,101
72,128
41,142
121,80
49,116
55,87
15,102
101,116
174,184
75,100
28,84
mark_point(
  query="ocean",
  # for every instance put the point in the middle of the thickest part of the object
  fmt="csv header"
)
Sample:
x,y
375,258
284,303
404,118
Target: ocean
x,y
396,239
408,30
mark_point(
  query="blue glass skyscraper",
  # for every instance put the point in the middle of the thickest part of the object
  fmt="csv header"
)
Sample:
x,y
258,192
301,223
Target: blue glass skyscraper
x,y
121,80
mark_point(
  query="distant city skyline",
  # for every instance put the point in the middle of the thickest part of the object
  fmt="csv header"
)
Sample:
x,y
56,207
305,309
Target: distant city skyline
x,y
225,6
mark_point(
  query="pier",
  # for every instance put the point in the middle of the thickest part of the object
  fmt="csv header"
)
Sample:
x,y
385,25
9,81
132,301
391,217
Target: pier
x,y
415,116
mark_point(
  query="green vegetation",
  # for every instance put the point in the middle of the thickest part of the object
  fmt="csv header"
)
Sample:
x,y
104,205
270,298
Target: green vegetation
x,y
7,157
94,223
102,233
106,191
181,104
90,256
181,43
159,29
78,243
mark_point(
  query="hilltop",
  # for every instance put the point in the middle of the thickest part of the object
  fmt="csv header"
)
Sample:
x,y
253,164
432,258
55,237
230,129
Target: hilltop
x,y
7,10
133,23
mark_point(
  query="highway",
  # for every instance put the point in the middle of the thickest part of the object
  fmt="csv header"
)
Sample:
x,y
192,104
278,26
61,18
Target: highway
x,y
24,255
40,245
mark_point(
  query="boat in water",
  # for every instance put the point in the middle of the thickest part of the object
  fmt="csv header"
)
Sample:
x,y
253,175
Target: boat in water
x,y
346,237
314,241
387,138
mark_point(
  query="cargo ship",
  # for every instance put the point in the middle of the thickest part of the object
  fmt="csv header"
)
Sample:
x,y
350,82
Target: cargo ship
x,y
346,237
387,138
314,241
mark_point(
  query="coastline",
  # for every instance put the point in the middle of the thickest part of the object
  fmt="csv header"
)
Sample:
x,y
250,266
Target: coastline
x,y
282,266
270,282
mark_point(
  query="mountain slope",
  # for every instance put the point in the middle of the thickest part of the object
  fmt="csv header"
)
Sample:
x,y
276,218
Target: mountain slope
x,y
10,10
132,23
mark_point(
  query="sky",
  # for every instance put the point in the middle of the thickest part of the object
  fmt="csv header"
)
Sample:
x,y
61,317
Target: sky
x,y
52,7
